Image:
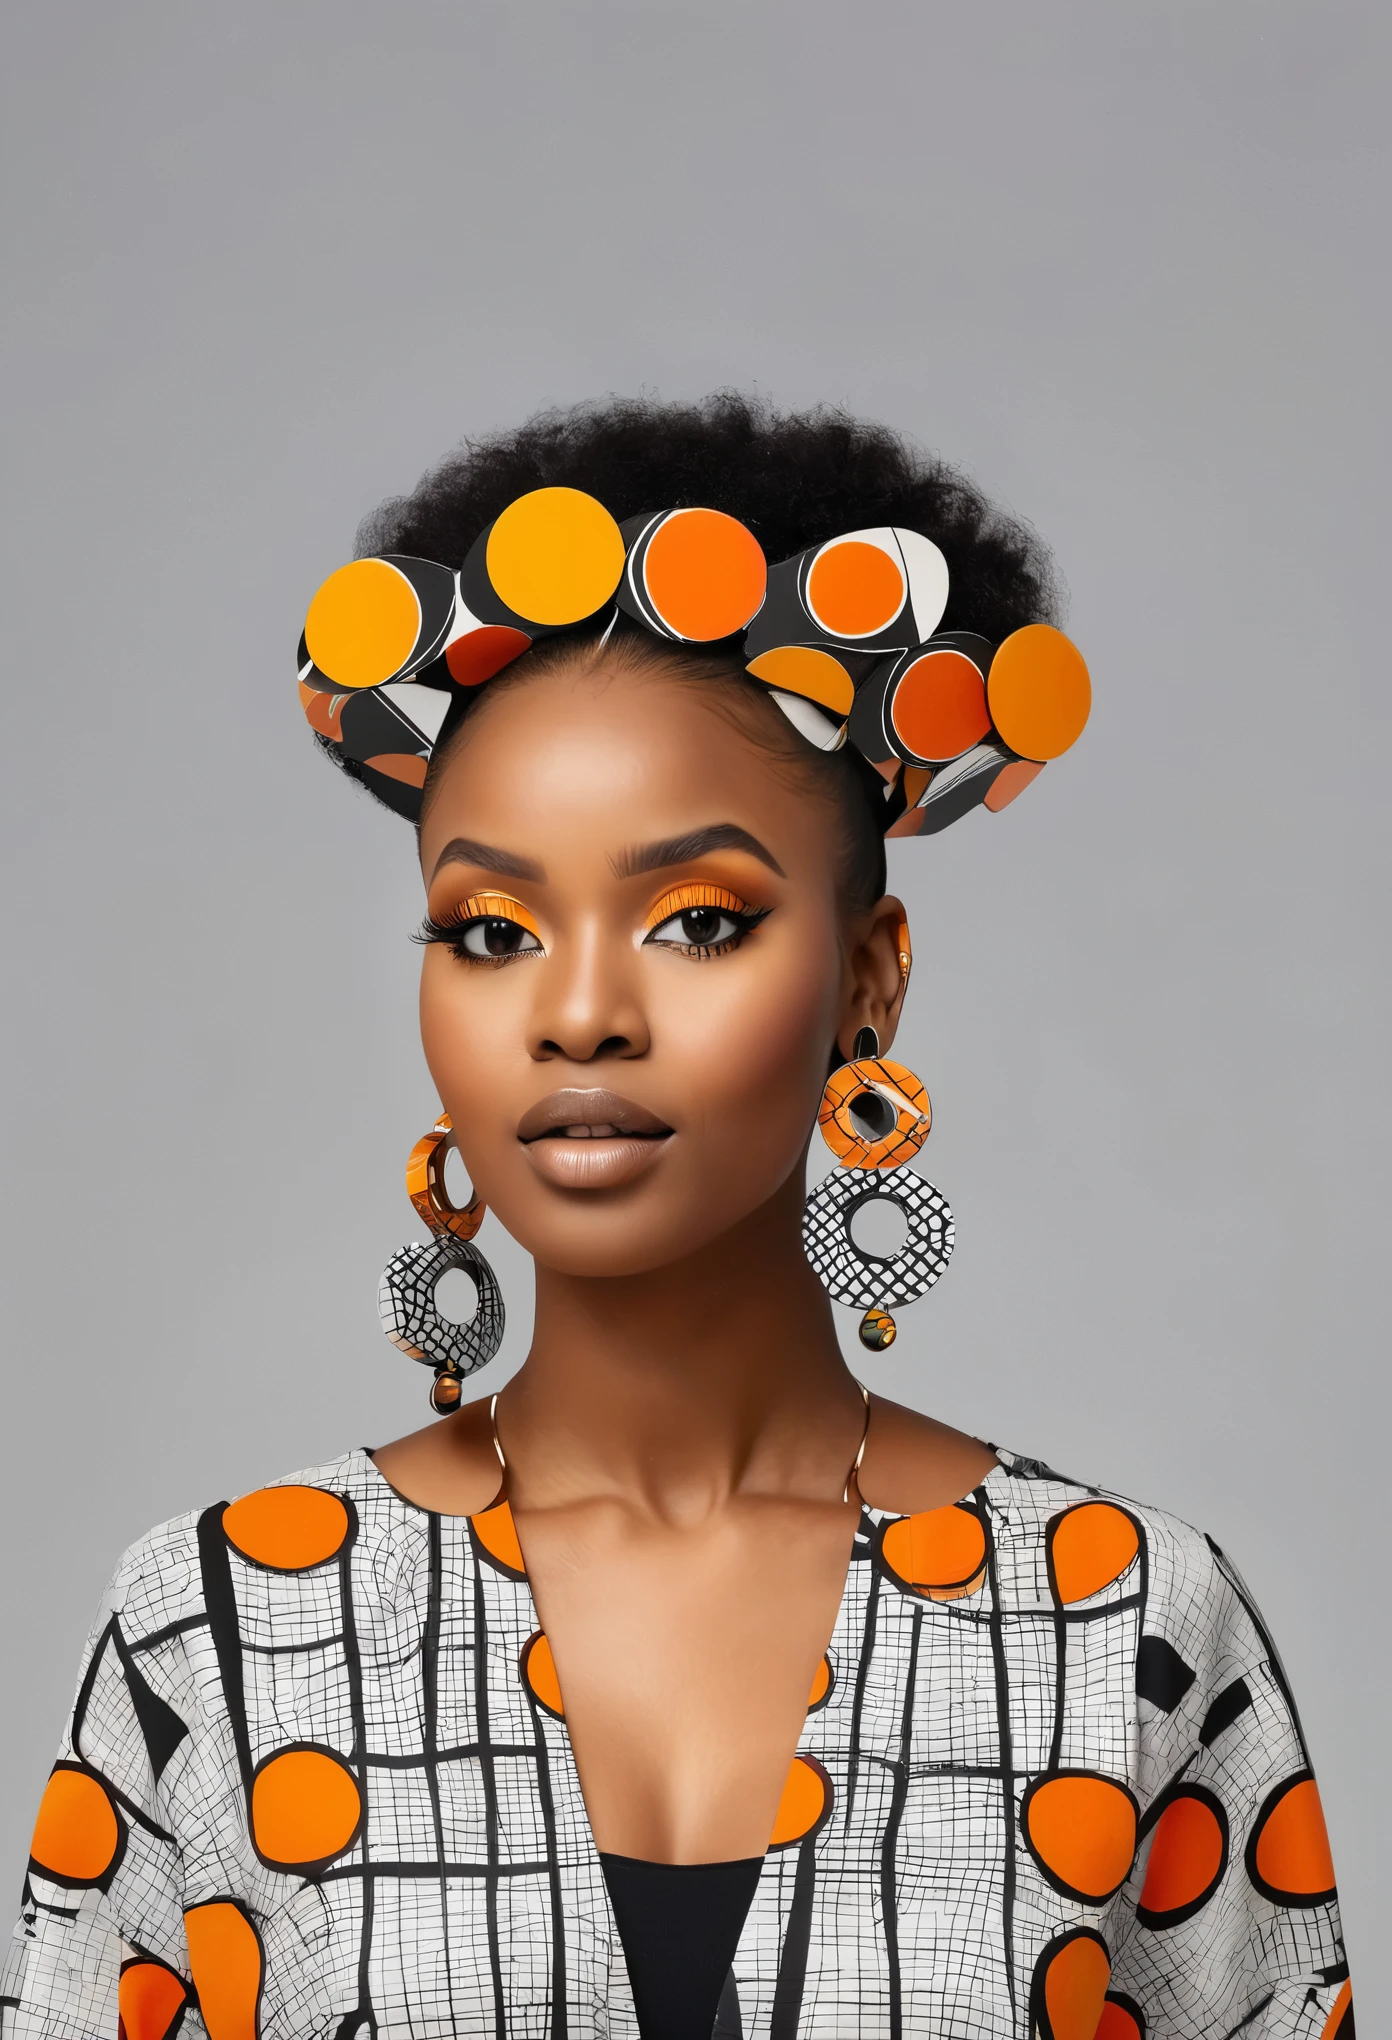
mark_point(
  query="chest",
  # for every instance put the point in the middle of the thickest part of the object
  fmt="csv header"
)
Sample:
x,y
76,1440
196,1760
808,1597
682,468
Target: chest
x,y
450,1880
687,1661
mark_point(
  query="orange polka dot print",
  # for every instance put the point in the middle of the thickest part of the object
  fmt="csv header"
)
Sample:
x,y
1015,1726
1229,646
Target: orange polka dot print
x,y
940,1553
78,1836
804,1804
1288,1855
1089,1548
1188,1855
1081,1830
1070,1982
228,1966
150,1998
288,1529
305,1808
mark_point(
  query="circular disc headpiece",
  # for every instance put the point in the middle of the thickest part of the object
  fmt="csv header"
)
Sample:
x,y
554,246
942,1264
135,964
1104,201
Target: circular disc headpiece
x,y
1039,692
815,675
856,586
699,573
554,557
377,619
936,708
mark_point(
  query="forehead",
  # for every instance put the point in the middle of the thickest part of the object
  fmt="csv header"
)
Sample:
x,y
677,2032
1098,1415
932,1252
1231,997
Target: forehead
x,y
571,764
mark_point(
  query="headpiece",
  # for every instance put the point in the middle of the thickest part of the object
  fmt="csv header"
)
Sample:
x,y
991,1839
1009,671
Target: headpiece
x,y
844,637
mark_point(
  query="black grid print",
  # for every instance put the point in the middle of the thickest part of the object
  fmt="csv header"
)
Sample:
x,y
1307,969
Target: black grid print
x,y
932,1899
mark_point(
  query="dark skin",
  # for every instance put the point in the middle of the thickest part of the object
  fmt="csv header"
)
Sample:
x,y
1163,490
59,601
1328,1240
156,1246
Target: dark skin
x,y
679,1438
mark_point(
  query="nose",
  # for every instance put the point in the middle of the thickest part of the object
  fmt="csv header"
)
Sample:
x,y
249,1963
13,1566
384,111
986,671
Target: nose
x,y
588,1006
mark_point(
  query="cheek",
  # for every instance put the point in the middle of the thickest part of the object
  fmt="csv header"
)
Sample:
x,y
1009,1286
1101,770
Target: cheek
x,y
462,1034
751,1058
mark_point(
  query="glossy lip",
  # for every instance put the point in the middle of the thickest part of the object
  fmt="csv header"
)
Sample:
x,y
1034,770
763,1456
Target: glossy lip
x,y
620,1140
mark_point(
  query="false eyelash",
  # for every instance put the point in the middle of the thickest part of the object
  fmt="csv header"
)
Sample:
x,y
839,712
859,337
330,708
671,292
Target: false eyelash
x,y
448,930
484,906
682,898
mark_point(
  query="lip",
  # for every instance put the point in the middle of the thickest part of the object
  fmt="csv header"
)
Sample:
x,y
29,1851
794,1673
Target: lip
x,y
621,1139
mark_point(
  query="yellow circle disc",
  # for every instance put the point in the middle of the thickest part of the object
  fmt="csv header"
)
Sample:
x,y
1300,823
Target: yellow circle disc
x,y
363,624
555,556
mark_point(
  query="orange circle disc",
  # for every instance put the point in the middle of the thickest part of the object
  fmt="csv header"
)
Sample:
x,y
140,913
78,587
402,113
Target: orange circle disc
x,y
855,589
1039,692
939,707
497,1533
805,1798
1075,1984
1186,1856
77,1834
1290,1849
938,1549
801,669
705,574
1082,1831
821,1684
228,1968
539,1671
1089,1547
481,653
555,556
305,1808
149,1999
363,624
287,1528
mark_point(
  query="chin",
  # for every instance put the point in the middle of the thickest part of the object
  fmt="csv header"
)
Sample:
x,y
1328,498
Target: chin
x,y
608,1238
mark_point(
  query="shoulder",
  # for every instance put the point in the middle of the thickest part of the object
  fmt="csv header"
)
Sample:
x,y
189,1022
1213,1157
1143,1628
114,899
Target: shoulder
x,y
1084,1524
159,1582
913,1463
1082,1543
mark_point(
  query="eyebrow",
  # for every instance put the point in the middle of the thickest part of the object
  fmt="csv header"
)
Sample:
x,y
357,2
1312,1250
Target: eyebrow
x,y
463,850
686,849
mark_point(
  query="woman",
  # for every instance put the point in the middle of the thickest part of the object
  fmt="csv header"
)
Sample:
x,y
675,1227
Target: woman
x,y
682,1688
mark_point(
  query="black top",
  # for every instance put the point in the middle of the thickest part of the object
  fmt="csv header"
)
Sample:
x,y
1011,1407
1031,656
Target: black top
x,y
680,1924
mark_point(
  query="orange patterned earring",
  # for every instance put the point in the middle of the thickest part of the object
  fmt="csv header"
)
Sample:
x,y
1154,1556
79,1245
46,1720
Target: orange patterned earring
x,y
875,1116
406,1294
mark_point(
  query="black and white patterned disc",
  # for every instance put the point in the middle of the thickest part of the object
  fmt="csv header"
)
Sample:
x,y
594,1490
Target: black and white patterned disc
x,y
406,1305
855,1277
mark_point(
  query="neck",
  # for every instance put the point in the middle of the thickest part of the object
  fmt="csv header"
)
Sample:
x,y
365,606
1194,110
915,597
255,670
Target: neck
x,y
678,1386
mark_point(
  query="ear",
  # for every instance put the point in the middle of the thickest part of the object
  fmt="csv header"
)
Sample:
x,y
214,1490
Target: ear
x,y
878,967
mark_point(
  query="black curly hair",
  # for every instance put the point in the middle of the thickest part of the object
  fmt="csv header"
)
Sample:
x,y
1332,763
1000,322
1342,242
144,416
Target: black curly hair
x,y
796,478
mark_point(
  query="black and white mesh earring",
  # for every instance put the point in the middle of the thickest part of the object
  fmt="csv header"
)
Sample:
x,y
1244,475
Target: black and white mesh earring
x,y
406,1293
874,1116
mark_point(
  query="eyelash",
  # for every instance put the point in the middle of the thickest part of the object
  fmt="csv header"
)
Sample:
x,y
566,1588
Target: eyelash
x,y
686,899
453,928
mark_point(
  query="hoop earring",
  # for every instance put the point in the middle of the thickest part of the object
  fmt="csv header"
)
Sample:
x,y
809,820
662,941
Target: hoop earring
x,y
406,1294
874,1116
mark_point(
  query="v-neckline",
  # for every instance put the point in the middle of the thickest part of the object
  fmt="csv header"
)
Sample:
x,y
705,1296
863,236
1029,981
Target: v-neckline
x,y
869,1517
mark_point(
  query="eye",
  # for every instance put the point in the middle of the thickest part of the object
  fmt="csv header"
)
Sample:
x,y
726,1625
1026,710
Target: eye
x,y
485,928
701,920
699,928
494,936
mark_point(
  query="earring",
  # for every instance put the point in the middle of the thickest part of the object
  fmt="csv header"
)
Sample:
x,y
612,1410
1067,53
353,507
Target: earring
x,y
406,1293
874,1116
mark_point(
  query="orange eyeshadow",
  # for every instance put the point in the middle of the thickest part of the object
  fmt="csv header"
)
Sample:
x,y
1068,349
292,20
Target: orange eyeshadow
x,y
682,898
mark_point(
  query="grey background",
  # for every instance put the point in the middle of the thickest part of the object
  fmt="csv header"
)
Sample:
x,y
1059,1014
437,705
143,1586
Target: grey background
x,y
1128,265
